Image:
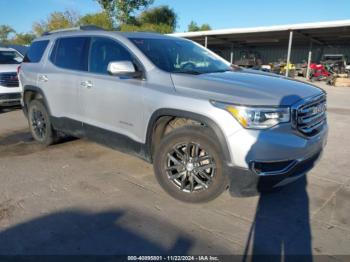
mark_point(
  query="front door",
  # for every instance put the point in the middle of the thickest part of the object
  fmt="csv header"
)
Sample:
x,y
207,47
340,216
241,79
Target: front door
x,y
109,102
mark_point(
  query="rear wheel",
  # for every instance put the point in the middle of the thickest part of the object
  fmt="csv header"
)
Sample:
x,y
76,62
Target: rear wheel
x,y
188,165
39,123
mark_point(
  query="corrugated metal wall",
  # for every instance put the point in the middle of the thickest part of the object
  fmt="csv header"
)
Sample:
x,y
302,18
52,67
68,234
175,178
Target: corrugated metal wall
x,y
270,54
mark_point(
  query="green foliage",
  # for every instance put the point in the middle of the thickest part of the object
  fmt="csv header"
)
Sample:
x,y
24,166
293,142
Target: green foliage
x,y
5,31
159,19
205,27
16,39
193,27
162,15
101,19
67,19
56,20
22,39
123,10
158,28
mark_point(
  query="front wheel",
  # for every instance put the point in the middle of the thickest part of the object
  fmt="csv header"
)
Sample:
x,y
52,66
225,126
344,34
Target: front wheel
x,y
39,123
188,165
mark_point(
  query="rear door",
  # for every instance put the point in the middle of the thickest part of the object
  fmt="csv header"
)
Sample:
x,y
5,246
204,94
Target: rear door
x,y
68,59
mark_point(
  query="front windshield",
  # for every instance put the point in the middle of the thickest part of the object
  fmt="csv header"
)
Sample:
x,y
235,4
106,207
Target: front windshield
x,y
180,56
10,58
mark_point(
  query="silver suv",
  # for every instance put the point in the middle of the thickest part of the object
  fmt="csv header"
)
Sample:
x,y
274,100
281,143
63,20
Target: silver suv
x,y
205,126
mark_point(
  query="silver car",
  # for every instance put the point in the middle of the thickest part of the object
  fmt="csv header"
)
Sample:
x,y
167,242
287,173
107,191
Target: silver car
x,y
205,126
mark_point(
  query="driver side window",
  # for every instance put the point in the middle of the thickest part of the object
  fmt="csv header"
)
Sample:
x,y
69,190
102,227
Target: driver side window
x,y
103,51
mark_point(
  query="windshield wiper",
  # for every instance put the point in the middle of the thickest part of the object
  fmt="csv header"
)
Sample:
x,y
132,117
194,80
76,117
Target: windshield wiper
x,y
219,71
194,72
190,72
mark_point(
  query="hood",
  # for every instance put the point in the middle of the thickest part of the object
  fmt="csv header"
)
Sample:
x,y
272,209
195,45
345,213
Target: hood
x,y
8,68
244,87
259,72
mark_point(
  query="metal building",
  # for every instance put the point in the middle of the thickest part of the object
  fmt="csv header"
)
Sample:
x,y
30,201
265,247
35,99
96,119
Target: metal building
x,y
295,43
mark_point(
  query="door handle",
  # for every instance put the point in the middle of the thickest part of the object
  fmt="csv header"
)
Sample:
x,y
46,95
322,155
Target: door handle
x,y
86,84
43,78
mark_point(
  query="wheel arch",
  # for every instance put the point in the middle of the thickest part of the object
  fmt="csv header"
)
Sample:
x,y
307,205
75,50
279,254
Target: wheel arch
x,y
176,113
31,92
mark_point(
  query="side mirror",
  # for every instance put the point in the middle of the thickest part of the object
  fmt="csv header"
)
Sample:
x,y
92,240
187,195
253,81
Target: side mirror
x,y
121,68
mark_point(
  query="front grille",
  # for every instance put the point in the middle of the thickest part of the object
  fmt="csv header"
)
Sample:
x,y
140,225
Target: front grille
x,y
9,79
311,116
15,96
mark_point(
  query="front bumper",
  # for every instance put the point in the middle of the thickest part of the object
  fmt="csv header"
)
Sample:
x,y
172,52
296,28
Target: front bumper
x,y
10,96
10,99
281,143
247,182
263,160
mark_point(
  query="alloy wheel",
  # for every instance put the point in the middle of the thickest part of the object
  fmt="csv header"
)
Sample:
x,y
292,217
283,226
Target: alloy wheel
x,y
190,167
38,123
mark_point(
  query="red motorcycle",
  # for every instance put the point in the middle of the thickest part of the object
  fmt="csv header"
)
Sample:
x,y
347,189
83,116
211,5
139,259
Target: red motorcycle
x,y
318,72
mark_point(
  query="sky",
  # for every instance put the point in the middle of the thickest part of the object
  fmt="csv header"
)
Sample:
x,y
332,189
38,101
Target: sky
x,y
21,14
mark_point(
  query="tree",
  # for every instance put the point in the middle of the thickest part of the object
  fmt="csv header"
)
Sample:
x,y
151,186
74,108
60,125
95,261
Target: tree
x,y
160,19
22,39
56,20
193,27
205,27
5,31
122,10
101,19
158,16
17,39
160,28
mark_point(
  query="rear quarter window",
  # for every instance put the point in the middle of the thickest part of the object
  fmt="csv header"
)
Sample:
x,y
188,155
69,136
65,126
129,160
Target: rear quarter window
x,y
36,51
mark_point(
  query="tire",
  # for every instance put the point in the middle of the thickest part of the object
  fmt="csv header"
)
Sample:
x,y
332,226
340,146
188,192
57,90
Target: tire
x,y
184,177
39,123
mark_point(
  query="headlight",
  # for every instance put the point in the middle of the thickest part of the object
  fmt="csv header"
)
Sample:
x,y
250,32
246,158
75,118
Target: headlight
x,y
256,117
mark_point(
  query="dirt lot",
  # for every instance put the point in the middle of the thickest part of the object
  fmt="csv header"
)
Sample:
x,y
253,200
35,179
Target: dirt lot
x,y
81,198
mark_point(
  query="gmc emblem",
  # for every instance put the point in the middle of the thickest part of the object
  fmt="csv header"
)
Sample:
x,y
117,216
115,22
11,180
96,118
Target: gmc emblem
x,y
321,108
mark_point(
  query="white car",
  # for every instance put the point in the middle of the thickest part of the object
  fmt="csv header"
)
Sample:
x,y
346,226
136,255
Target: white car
x,y
10,90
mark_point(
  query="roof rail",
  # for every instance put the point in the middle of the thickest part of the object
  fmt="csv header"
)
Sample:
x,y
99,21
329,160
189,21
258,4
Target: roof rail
x,y
72,29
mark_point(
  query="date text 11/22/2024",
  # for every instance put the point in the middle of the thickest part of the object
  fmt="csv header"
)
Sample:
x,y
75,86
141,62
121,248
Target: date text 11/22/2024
x,y
173,258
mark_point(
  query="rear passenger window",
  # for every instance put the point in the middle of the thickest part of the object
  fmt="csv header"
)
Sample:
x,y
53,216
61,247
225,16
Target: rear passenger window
x,y
71,53
103,51
36,51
